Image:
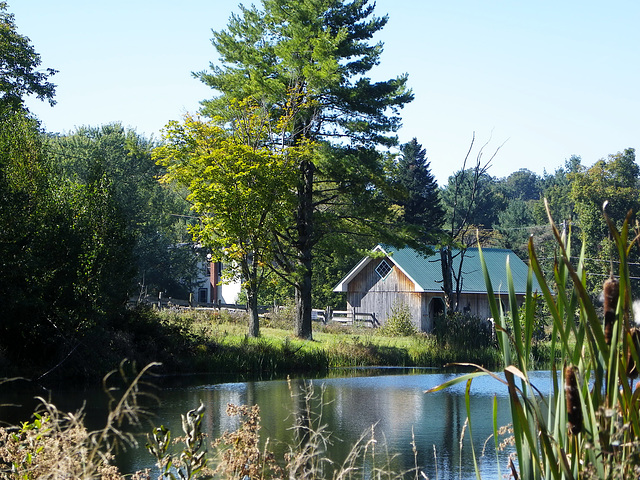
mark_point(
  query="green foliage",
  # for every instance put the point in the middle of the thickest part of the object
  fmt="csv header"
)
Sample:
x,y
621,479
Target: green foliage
x,y
192,458
319,48
512,223
400,322
615,181
471,198
66,252
310,59
459,330
239,185
522,185
163,254
421,200
19,72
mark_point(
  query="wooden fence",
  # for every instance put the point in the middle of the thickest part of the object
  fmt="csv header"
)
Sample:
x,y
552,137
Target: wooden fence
x,y
345,317
327,315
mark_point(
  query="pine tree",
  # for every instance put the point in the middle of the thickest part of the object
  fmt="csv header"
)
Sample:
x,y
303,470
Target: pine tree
x,y
422,205
312,58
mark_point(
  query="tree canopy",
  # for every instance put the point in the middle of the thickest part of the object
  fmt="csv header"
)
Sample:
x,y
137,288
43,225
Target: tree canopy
x,y
19,62
156,215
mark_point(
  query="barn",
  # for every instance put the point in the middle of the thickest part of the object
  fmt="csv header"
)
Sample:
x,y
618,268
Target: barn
x,y
393,277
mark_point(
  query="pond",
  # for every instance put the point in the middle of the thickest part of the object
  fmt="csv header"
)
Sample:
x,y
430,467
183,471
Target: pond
x,y
388,403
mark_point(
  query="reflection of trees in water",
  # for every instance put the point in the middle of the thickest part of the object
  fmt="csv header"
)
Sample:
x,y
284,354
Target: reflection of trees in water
x,y
349,409
447,448
447,426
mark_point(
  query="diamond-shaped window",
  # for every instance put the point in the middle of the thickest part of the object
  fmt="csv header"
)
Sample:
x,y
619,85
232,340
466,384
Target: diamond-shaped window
x,y
383,269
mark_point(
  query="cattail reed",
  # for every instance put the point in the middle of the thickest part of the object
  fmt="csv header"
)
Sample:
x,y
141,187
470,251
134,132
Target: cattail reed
x,y
632,368
572,396
611,290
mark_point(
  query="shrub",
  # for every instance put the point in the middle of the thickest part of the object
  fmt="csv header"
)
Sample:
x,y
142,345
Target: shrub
x,y
400,323
463,331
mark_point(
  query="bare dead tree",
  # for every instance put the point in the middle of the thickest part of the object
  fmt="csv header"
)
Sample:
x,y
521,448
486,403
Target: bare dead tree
x,y
458,233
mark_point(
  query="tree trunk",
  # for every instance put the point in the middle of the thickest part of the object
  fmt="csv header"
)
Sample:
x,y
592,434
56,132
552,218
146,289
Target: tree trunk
x,y
303,246
252,310
251,288
447,277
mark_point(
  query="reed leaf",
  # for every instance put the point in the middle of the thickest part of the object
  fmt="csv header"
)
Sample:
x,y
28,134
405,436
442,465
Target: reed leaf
x,y
515,315
501,332
467,399
495,433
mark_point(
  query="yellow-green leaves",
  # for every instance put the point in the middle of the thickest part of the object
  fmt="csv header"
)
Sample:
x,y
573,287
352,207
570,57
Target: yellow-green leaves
x,y
240,186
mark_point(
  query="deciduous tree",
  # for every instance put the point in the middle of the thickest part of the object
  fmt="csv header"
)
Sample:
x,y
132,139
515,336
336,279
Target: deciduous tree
x,y
613,180
470,203
65,255
156,215
19,62
239,185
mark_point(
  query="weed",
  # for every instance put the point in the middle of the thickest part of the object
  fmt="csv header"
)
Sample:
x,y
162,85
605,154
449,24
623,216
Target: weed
x,y
192,460
57,445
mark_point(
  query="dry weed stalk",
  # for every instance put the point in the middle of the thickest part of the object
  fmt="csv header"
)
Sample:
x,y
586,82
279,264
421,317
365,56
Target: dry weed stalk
x,y
58,445
239,451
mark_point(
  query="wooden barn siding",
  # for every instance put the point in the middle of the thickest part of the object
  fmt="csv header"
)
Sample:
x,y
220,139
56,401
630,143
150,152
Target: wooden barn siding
x,y
478,304
370,293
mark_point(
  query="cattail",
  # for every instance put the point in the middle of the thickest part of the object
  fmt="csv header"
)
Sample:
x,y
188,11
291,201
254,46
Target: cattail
x,y
632,368
572,396
611,290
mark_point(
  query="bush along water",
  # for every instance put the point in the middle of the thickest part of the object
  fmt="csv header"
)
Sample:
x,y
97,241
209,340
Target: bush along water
x,y
588,425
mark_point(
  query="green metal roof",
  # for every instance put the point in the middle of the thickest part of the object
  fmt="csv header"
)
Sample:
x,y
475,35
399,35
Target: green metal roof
x,y
426,272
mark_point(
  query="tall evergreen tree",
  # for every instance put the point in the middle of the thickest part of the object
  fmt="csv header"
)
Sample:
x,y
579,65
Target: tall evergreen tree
x,y
312,57
422,205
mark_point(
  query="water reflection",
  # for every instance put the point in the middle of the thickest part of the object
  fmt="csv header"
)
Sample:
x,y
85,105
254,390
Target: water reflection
x,y
392,401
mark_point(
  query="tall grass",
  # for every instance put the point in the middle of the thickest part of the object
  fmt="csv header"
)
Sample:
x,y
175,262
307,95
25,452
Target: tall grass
x,y
588,425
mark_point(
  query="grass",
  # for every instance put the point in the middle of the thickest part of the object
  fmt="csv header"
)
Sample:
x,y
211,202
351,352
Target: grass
x,y
222,345
193,341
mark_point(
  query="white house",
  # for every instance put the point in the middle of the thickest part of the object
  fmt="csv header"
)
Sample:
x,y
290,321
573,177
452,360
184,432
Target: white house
x,y
212,288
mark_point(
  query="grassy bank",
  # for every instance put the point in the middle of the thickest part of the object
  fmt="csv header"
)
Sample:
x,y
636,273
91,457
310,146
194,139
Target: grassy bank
x,y
216,342
222,346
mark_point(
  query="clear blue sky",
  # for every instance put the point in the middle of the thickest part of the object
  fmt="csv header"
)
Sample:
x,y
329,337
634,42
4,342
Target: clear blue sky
x,y
549,79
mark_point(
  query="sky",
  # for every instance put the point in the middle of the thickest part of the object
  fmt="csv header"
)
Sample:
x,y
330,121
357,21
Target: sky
x,y
536,81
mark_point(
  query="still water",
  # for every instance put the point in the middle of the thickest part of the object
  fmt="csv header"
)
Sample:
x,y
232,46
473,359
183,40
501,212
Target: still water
x,y
391,403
